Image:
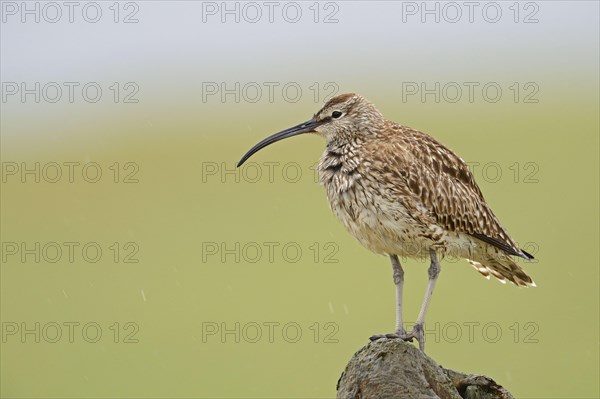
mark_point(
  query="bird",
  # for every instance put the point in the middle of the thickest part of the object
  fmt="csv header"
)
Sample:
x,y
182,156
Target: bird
x,y
403,194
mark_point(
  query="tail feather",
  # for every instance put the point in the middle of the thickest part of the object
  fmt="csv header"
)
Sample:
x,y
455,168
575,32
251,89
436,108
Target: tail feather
x,y
503,269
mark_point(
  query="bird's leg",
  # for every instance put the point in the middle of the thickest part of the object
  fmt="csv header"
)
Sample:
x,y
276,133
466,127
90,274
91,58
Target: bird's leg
x,y
399,283
433,271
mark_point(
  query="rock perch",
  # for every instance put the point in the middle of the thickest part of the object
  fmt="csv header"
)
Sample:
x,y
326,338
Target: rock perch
x,y
394,369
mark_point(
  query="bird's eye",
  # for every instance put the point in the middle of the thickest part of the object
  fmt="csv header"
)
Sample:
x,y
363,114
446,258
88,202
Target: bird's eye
x,y
336,114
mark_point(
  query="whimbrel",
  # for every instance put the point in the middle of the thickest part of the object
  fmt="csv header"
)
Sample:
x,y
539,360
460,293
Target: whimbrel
x,y
401,193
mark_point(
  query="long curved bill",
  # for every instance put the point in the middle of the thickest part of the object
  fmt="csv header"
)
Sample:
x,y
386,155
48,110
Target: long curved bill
x,y
304,127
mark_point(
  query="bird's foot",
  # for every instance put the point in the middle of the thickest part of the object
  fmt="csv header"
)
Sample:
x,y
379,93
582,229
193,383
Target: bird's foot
x,y
416,333
400,334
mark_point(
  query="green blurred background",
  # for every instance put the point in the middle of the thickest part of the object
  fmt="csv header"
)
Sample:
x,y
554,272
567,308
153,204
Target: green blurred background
x,y
193,236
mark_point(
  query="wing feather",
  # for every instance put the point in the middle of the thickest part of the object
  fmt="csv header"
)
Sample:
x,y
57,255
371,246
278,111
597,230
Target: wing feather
x,y
443,183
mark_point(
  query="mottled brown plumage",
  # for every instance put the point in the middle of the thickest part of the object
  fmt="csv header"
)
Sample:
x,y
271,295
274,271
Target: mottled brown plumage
x,y
438,192
400,192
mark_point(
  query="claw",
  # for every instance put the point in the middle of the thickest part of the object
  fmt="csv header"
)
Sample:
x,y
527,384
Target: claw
x,y
377,337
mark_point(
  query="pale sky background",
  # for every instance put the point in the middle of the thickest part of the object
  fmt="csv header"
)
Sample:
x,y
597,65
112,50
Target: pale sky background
x,y
171,42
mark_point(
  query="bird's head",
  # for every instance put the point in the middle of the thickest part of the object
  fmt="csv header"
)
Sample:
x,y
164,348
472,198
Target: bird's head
x,y
341,119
